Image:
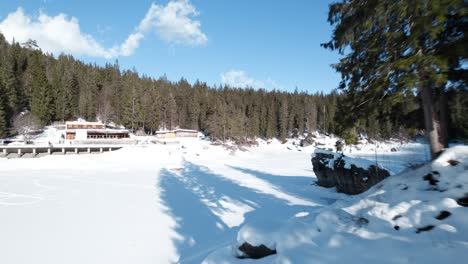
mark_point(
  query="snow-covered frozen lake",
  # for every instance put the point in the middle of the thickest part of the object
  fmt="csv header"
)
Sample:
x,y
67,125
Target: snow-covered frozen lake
x,y
151,204
142,204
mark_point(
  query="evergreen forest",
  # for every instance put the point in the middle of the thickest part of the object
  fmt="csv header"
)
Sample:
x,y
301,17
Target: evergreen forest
x,y
61,88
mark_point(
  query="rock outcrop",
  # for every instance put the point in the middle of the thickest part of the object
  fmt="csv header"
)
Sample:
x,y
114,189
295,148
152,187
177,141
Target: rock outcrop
x,y
255,252
307,141
348,175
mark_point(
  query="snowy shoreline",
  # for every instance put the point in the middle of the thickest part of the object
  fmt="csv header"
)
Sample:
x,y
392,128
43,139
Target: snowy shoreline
x,y
189,202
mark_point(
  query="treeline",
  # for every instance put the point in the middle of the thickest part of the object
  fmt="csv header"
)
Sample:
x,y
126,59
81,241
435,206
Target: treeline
x,y
63,88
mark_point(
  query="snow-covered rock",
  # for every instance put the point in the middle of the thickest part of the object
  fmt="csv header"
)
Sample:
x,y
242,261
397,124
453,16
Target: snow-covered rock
x,y
348,175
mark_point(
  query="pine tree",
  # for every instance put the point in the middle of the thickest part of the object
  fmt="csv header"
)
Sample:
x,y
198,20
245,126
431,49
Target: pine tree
x,y
153,111
88,94
71,93
171,112
3,122
216,115
253,125
310,115
3,117
10,84
131,101
283,119
42,98
193,107
396,47
271,120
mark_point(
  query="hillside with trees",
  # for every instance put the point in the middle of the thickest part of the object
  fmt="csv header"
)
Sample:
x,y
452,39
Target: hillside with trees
x,y
63,88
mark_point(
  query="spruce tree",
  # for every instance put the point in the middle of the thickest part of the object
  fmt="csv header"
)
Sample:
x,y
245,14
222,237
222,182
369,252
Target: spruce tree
x,y
42,98
10,84
171,112
396,47
3,117
3,122
283,119
271,120
215,123
154,115
310,115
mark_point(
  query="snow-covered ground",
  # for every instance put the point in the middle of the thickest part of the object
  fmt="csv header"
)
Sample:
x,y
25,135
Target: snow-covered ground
x,y
103,208
193,202
404,219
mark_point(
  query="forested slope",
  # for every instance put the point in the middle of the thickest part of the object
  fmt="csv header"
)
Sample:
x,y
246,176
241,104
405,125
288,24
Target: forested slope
x,y
63,88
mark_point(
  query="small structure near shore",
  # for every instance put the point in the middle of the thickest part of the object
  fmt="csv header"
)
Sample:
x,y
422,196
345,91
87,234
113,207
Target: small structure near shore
x,y
178,133
165,134
81,130
348,175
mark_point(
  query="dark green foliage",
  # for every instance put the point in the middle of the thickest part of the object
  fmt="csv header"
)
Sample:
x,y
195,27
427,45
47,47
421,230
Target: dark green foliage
x,y
3,119
283,116
132,115
64,89
349,135
458,105
389,40
152,115
10,87
393,50
42,96
169,110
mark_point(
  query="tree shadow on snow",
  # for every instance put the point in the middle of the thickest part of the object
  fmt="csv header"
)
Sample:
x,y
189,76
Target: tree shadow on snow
x,y
195,222
301,186
196,196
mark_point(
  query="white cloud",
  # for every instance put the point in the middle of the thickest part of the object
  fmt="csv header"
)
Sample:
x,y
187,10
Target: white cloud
x,y
60,33
131,44
174,23
239,79
53,34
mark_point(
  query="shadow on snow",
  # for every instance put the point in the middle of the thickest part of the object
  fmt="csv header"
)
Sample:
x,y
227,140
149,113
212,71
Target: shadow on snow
x,y
301,186
195,195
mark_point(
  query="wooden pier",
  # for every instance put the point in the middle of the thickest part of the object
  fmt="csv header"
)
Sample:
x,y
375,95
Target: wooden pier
x,y
34,151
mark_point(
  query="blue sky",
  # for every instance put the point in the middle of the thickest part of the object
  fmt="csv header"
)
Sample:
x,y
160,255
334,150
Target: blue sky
x,y
261,43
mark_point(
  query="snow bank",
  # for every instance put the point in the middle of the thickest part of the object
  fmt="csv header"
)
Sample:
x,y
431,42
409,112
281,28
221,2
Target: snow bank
x,y
404,219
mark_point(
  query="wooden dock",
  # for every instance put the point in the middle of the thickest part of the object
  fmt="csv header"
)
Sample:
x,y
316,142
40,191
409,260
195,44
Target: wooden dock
x,y
34,151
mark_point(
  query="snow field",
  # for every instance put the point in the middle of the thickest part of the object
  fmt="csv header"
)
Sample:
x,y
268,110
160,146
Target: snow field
x,y
194,202
84,209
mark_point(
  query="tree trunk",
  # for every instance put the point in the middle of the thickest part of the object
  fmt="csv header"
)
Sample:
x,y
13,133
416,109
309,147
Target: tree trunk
x,y
443,114
431,121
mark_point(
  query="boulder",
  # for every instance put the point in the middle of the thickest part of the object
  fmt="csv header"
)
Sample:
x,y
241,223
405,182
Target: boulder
x,y
339,145
463,201
307,141
255,252
348,175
